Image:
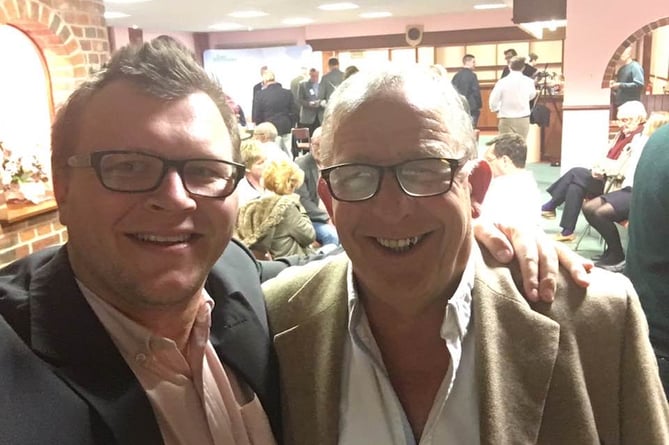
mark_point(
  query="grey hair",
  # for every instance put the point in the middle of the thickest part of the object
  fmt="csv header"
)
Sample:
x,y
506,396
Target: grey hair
x,y
422,88
162,68
632,109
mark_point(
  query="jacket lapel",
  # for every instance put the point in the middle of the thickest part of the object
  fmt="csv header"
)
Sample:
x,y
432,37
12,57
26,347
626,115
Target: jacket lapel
x,y
66,333
311,356
516,352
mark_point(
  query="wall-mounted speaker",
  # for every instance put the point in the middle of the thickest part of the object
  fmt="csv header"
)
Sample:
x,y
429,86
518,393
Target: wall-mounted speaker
x,y
414,34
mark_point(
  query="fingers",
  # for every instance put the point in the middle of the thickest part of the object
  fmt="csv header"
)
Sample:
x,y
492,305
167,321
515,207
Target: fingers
x,y
538,256
549,267
493,239
579,268
526,244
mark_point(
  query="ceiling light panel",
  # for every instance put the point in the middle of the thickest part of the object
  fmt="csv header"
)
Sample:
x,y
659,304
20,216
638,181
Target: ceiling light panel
x,y
345,6
490,6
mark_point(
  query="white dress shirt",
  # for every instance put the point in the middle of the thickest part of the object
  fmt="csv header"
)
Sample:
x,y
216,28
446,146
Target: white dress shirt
x,y
513,199
370,411
511,95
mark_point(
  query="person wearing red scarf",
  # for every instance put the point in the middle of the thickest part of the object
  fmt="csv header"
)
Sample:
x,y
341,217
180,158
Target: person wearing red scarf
x,y
580,183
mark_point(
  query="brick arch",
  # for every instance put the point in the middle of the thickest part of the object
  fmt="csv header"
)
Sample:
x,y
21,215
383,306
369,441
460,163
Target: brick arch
x,y
61,51
610,71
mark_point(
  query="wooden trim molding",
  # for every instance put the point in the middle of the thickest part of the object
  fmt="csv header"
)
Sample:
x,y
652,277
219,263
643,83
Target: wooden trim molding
x,y
21,212
435,38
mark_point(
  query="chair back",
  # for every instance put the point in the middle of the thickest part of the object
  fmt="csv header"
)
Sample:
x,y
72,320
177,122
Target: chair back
x,y
302,139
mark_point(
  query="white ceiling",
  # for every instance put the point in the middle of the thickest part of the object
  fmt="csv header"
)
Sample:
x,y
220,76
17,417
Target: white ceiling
x,y
199,15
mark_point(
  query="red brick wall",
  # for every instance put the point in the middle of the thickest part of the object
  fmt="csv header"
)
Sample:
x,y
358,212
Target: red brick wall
x,y
72,36
19,239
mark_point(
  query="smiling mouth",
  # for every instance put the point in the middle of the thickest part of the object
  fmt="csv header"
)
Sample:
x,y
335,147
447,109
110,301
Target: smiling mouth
x,y
399,245
163,240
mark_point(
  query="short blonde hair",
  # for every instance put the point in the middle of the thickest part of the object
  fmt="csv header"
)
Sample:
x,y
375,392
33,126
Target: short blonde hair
x,y
283,177
252,151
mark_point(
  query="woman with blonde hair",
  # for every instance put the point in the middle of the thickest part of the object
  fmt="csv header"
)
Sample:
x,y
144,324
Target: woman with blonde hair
x,y
276,223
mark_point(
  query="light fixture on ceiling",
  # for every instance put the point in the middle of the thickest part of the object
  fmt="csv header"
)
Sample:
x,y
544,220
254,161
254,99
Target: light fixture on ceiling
x,y
376,15
490,6
226,26
296,21
110,15
248,14
344,6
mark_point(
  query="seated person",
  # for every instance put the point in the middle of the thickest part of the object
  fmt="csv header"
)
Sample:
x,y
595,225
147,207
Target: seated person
x,y
276,222
326,234
267,134
254,159
604,211
579,182
513,195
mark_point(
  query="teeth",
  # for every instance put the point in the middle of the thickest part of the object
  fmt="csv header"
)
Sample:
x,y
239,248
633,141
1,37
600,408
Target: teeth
x,y
162,239
399,245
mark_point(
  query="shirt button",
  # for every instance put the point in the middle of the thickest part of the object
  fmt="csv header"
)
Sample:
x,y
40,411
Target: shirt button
x,y
140,357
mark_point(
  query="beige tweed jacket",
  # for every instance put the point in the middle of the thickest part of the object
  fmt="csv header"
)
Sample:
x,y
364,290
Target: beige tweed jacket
x,y
578,371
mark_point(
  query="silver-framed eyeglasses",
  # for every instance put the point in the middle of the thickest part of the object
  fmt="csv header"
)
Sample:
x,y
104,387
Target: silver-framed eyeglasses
x,y
137,172
353,182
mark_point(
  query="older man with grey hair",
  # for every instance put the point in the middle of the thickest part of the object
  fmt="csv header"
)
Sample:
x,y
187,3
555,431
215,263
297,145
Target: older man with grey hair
x,y
416,335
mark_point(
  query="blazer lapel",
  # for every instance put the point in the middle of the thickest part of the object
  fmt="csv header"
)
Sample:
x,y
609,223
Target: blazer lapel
x,y
516,352
311,356
66,333
239,331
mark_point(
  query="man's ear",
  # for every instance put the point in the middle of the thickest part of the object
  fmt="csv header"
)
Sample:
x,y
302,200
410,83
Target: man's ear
x,y
326,197
479,180
60,183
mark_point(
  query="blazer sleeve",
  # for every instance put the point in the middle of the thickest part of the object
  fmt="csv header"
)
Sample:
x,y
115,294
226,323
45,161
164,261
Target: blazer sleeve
x,y
644,414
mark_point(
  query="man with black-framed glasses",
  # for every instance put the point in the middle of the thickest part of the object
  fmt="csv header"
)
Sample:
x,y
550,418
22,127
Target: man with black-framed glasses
x,y
149,325
417,336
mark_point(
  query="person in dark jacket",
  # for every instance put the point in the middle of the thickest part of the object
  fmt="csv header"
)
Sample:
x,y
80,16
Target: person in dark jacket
x,y
277,105
466,83
114,337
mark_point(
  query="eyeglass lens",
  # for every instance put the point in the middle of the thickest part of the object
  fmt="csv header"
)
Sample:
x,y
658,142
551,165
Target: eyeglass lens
x,y
136,172
422,177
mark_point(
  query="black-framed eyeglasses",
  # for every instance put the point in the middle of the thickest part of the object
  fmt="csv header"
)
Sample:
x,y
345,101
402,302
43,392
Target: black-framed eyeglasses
x,y
353,182
137,172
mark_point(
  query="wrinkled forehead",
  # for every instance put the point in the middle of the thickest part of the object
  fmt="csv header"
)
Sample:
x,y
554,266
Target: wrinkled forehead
x,y
394,119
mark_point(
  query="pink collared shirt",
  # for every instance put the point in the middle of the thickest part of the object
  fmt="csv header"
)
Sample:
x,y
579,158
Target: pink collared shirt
x,y
195,398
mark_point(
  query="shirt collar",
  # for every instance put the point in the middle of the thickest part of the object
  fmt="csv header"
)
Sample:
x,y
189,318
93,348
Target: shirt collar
x,y
458,311
130,337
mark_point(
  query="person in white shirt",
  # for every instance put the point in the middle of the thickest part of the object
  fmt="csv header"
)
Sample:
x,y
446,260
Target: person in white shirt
x,y
513,195
417,336
510,99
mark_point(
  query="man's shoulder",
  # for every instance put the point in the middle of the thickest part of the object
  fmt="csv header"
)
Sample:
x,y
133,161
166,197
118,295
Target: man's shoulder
x,y
302,291
607,298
